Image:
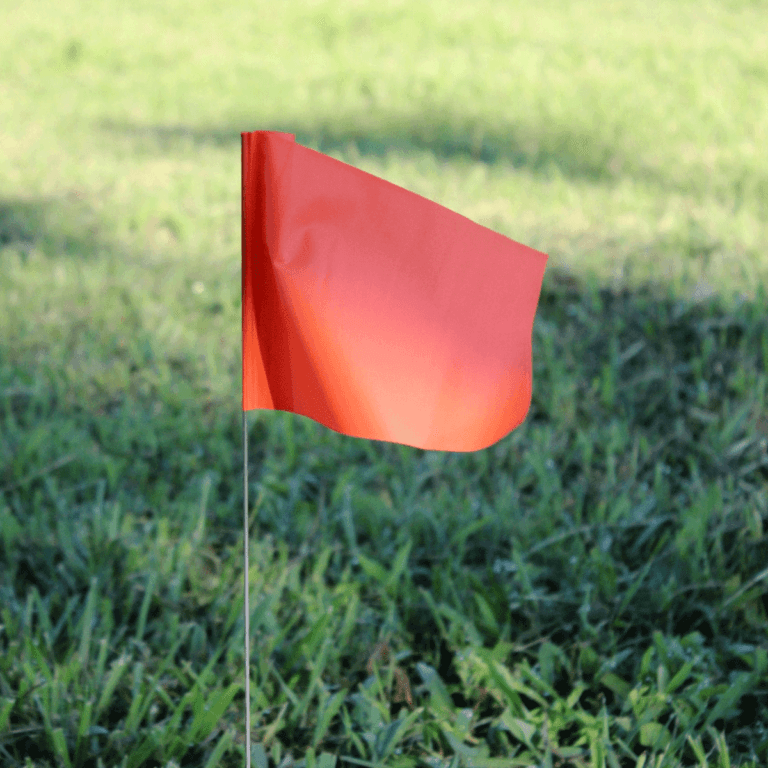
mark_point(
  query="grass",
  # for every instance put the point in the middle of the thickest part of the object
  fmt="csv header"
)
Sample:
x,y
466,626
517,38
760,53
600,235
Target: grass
x,y
590,591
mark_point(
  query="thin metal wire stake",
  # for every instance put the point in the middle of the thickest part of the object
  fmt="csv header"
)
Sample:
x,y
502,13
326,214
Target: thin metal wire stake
x,y
246,602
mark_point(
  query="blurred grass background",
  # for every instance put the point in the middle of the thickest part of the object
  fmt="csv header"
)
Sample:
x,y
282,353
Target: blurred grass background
x,y
591,591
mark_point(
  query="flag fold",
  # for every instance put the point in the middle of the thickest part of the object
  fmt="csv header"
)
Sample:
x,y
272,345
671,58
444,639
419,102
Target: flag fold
x,y
375,311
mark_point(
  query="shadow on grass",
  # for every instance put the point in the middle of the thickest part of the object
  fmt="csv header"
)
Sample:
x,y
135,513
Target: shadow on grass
x,y
540,152
55,225
544,151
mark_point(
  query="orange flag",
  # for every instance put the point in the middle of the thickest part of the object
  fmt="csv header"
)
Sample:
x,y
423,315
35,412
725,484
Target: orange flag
x,y
375,311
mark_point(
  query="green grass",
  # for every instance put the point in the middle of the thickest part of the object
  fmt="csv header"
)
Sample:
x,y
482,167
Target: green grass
x,y
591,591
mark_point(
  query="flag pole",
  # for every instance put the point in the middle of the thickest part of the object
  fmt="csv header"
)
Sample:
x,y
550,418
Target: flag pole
x,y
246,610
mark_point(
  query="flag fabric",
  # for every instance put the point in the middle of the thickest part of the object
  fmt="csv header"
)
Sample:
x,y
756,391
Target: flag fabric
x,y
375,311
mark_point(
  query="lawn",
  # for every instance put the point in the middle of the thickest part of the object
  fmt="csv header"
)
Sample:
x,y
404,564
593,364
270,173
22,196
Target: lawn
x,y
589,592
